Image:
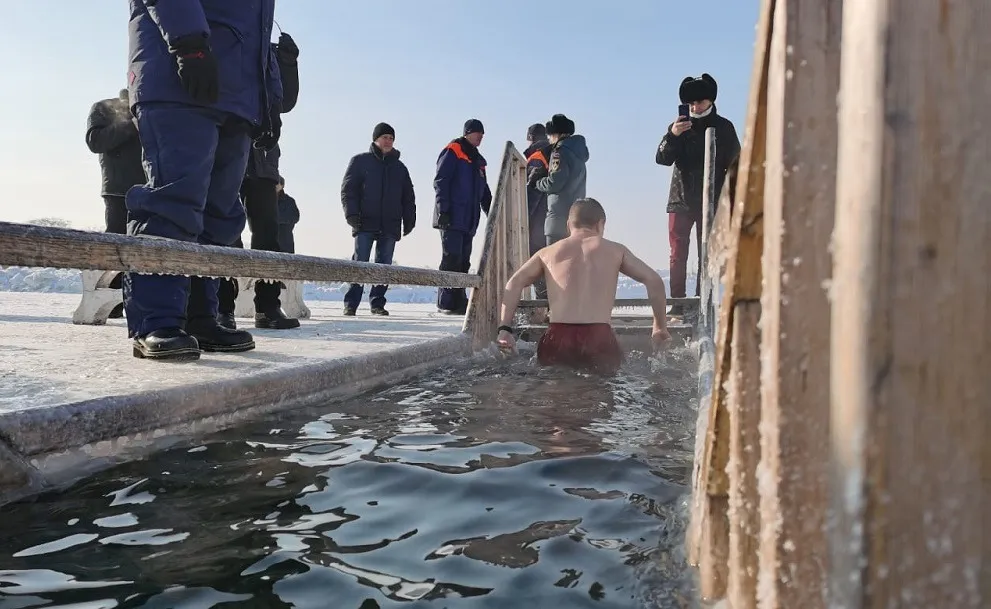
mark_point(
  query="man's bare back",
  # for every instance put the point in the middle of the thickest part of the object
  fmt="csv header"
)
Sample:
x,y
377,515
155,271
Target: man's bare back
x,y
581,272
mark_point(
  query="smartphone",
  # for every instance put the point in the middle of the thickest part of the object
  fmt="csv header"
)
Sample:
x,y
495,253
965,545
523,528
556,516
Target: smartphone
x,y
683,110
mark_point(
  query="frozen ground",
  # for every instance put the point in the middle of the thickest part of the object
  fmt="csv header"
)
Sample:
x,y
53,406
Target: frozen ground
x,y
46,360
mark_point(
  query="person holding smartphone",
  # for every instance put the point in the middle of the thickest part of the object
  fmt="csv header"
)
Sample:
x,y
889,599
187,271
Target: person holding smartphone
x,y
683,148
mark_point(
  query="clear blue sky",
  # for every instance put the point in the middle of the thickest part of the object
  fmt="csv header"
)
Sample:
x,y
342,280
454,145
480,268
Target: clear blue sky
x,y
424,67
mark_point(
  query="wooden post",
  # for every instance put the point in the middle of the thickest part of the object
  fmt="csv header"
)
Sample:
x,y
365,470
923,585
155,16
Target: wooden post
x,y
706,309
799,200
911,314
742,284
502,252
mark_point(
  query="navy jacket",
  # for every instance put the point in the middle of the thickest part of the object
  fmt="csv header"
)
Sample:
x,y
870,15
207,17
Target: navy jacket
x,y
288,218
537,162
378,189
686,152
264,164
460,185
239,34
111,133
565,182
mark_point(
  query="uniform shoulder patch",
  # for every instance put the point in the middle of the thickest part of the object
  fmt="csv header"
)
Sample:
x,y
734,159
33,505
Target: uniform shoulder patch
x,y
555,161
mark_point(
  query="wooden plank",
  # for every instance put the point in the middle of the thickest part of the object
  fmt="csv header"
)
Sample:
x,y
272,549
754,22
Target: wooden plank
x,y
799,202
911,403
45,246
706,308
744,408
742,283
483,304
620,302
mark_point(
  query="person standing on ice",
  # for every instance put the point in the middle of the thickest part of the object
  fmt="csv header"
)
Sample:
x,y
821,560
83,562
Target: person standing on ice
x,y
203,84
112,133
537,154
683,146
261,202
564,181
380,206
462,193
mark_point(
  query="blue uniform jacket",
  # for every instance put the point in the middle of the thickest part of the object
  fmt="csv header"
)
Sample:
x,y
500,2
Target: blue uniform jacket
x,y
239,33
461,188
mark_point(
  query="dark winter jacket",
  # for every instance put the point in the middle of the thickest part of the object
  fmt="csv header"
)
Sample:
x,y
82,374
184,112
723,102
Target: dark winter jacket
x,y
537,164
460,186
264,164
686,153
378,191
288,218
239,34
565,182
111,133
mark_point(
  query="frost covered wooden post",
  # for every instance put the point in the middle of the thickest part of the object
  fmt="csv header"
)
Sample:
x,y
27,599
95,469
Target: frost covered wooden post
x,y
98,298
803,82
911,311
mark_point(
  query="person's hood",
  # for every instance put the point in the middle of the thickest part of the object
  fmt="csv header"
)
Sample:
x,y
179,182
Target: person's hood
x,y
575,144
393,154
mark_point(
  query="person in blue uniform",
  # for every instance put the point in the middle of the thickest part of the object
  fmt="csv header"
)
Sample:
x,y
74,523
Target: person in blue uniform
x,y
204,83
461,194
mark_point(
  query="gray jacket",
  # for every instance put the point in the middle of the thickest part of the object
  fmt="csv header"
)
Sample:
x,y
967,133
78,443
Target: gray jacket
x,y
564,184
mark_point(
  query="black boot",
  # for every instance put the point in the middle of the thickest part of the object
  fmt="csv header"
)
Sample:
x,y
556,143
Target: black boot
x,y
227,320
380,311
214,337
275,320
167,344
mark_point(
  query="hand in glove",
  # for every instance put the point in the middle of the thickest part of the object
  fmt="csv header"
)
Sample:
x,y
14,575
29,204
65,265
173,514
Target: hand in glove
x,y
535,176
271,130
354,222
408,228
444,221
198,69
286,50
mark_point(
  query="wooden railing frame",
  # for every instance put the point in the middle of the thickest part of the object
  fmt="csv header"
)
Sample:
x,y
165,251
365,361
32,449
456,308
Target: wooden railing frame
x,y
505,248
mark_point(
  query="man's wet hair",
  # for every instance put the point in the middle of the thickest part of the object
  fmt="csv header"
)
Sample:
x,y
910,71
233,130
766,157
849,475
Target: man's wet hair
x,y
586,213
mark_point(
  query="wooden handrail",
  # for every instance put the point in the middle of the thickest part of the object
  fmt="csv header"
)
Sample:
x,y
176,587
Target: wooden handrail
x,y
44,246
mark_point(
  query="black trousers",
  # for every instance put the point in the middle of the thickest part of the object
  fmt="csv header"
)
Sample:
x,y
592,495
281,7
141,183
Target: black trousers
x,y
115,214
261,204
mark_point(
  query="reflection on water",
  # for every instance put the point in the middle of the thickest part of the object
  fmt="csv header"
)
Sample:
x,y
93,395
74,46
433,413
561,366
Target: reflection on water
x,y
503,485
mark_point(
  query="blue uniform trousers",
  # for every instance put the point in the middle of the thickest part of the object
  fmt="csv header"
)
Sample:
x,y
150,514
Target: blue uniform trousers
x,y
195,159
456,256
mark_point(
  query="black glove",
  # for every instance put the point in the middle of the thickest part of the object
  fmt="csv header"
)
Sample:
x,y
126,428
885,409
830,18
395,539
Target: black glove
x,y
271,130
198,69
354,222
408,228
286,50
444,221
535,176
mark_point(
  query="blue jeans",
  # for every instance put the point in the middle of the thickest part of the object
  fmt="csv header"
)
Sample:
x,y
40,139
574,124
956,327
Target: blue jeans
x,y
194,159
384,248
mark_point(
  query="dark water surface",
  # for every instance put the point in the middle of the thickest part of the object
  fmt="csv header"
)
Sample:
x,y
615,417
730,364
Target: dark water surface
x,y
499,485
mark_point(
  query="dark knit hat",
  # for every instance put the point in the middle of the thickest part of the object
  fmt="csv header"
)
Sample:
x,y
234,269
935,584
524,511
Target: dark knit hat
x,y
473,125
696,89
536,132
382,129
560,125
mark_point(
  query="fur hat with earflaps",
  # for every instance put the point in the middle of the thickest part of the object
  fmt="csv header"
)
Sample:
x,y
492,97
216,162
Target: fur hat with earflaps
x,y
696,89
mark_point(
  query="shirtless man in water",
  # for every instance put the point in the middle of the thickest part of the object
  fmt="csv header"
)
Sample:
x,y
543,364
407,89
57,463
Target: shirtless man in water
x,y
581,273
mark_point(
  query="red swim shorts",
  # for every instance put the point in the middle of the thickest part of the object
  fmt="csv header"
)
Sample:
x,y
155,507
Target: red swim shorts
x,y
591,347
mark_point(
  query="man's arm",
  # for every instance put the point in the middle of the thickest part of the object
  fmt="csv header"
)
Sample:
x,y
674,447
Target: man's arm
x,y
637,270
558,174
442,181
351,190
287,54
530,272
178,18
487,198
669,150
103,133
409,203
